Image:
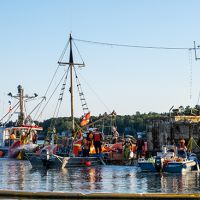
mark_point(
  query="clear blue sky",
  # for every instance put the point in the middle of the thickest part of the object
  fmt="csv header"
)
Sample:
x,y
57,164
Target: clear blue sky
x,y
34,33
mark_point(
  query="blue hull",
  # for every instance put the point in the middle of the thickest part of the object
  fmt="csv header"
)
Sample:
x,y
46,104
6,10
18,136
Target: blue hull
x,y
147,166
173,167
177,167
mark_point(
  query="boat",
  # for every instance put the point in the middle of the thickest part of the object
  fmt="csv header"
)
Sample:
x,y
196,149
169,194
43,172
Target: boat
x,y
169,161
21,136
46,159
48,156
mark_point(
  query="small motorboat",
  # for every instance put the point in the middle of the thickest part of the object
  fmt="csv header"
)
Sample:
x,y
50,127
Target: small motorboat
x,y
169,161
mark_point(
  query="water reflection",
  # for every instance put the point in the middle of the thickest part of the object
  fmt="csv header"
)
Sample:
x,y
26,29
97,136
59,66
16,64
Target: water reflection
x,y
19,175
180,183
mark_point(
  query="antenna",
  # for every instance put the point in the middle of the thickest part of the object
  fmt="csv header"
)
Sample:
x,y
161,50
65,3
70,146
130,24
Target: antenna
x,y
196,58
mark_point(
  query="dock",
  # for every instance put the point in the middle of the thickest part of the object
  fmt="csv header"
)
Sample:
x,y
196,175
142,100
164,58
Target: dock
x,y
100,196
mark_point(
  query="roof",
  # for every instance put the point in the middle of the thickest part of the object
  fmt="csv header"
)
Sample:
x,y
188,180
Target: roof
x,y
194,119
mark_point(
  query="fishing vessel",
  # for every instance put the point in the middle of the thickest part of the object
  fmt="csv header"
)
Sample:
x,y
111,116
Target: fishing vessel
x,y
49,156
22,135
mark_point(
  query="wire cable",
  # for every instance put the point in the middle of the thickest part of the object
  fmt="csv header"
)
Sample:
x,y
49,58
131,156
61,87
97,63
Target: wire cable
x,y
95,93
78,51
133,46
11,115
51,96
60,59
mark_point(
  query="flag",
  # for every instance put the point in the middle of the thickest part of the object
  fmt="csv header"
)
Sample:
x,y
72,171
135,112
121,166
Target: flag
x,y
86,119
10,108
87,116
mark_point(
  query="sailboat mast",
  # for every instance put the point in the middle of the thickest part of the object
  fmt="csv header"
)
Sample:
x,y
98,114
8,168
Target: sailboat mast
x,y
71,65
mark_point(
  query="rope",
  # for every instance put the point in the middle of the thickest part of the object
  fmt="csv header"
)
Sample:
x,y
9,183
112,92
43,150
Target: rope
x,y
61,57
61,95
46,92
9,111
11,115
51,95
133,46
96,94
64,51
43,98
190,83
78,50
190,143
81,95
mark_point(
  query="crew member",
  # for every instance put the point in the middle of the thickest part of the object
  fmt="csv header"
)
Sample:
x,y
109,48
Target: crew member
x,y
90,138
115,135
12,138
85,147
97,141
182,148
127,148
139,146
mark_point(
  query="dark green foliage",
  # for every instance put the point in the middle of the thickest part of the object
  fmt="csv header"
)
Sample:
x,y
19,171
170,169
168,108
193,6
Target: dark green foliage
x,y
127,124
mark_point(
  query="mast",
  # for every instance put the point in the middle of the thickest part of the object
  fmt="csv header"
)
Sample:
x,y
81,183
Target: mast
x,y
21,105
71,65
21,98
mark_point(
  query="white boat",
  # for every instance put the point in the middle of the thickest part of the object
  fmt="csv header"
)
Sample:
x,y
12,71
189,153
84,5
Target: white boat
x,y
169,161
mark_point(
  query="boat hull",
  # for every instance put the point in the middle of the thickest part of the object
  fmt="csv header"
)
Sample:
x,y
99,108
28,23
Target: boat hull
x,y
54,161
170,167
180,167
147,166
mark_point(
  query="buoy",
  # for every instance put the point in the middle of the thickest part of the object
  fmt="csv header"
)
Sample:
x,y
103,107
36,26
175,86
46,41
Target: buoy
x,y
87,163
1,153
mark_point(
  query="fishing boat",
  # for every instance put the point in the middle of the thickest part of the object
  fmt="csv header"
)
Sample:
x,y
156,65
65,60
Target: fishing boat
x,y
21,136
49,156
169,161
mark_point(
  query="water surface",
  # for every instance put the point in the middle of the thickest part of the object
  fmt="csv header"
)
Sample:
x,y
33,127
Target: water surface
x,y
19,175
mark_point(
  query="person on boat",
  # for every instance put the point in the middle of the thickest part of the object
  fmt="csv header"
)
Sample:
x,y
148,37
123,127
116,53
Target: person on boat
x,y
115,135
139,147
23,138
127,148
34,137
12,138
182,148
85,146
77,144
90,138
97,136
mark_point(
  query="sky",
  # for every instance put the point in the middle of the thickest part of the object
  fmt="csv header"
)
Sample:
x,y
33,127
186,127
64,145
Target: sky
x,y
34,33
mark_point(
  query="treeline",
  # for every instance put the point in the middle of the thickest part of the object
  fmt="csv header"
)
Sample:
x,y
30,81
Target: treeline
x,y
127,124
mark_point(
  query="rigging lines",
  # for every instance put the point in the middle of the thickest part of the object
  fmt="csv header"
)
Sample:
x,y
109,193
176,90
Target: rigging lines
x,y
133,46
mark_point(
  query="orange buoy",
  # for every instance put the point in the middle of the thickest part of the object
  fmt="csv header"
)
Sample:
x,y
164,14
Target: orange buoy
x,y
88,163
1,153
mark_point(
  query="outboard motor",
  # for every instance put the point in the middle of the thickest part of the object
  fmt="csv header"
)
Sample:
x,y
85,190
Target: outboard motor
x,y
45,154
158,164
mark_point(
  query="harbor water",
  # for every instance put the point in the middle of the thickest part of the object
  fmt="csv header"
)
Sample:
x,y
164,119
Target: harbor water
x,y
19,175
